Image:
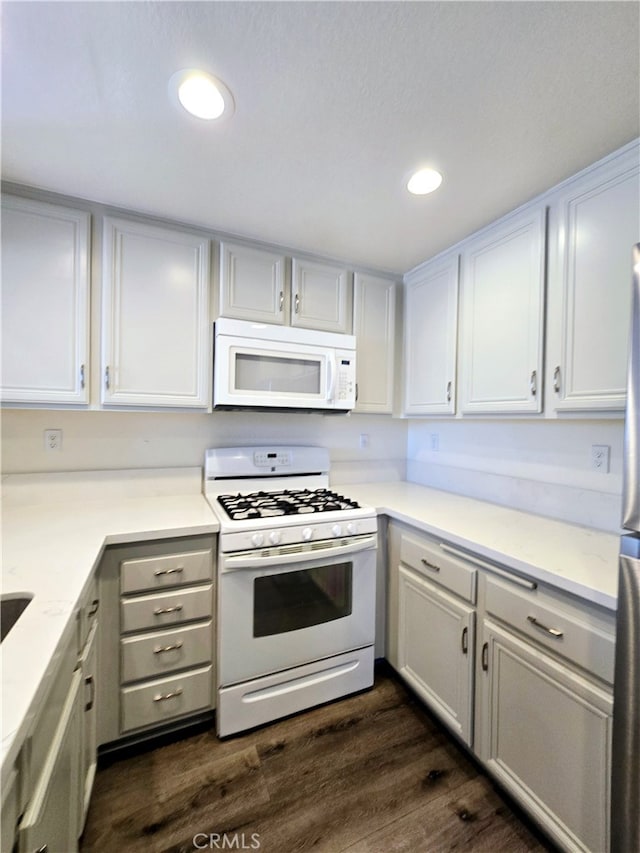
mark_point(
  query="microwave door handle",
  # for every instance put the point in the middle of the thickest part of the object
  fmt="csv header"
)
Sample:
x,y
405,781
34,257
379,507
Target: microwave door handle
x,y
331,378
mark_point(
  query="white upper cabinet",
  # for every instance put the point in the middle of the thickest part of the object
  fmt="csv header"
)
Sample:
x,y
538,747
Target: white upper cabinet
x,y
374,325
431,331
252,284
156,336
320,296
45,303
594,222
502,304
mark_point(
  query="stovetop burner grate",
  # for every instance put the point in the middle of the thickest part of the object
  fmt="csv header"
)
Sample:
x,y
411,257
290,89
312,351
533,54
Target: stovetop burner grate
x,y
287,502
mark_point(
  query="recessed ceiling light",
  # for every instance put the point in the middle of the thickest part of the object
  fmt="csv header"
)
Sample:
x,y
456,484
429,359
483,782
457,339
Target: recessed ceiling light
x,y
424,181
201,94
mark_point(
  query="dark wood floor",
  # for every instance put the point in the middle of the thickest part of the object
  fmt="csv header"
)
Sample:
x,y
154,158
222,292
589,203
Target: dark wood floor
x,y
373,773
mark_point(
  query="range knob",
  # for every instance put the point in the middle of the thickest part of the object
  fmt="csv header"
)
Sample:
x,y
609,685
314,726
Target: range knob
x,y
352,528
258,540
336,530
307,533
275,537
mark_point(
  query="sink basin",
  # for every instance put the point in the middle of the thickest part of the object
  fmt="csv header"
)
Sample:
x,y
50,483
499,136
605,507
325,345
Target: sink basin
x,y
11,608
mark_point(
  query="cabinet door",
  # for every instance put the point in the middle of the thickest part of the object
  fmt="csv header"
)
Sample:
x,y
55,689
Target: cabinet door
x,y
594,225
374,325
547,738
502,305
45,303
156,336
321,296
431,332
89,740
252,284
436,649
51,820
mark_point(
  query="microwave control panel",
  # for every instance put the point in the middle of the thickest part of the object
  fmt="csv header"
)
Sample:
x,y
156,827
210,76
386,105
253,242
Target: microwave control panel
x,y
346,376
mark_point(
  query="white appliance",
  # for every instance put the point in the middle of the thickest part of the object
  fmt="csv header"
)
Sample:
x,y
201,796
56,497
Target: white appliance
x,y
296,584
257,365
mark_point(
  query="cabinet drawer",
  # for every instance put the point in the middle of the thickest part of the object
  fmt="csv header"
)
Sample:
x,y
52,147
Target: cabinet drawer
x,y
580,637
166,608
162,700
165,651
428,559
166,570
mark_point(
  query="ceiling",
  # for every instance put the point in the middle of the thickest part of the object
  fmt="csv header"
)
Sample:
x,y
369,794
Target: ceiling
x,y
336,104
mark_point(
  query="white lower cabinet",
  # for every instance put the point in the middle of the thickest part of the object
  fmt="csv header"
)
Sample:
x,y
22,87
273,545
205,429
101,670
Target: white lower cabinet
x,y
51,820
156,635
89,735
519,671
547,738
435,649
434,627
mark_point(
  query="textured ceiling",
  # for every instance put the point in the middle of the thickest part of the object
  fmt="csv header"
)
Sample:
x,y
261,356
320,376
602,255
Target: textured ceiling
x,y
336,103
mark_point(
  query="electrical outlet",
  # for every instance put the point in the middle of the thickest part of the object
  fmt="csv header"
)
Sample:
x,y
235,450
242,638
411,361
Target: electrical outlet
x,y
435,441
600,455
52,440
364,440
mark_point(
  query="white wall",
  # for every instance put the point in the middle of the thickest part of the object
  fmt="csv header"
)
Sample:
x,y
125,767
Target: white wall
x,y
95,440
542,467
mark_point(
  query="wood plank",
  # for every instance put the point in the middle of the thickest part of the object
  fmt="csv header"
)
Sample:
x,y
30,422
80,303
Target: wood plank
x,y
370,773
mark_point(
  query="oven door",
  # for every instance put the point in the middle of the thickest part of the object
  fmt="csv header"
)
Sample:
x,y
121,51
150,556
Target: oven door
x,y
281,607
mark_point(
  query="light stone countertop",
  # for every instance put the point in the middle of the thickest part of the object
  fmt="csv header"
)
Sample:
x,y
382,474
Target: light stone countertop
x,y
578,560
51,550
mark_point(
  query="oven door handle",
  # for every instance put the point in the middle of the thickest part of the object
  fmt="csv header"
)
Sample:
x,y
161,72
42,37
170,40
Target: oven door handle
x,y
258,559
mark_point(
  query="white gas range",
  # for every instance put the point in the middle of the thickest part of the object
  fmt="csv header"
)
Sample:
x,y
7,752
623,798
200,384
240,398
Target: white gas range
x,y
296,584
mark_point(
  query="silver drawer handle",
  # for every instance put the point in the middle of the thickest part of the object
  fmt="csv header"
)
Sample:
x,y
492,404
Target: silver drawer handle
x,y
160,649
160,610
93,609
449,392
171,695
281,301
533,384
429,565
297,304
177,571
553,631
556,379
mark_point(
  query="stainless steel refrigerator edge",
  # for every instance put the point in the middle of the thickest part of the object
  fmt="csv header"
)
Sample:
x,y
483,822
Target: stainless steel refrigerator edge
x,y
625,777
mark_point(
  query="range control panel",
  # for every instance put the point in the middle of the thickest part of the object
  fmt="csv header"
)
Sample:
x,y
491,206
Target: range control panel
x,y
271,458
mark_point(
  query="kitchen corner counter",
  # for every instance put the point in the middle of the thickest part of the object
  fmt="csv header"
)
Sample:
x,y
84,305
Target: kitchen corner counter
x,y
578,560
50,550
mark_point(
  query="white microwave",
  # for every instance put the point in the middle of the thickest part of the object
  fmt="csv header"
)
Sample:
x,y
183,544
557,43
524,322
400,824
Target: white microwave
x,y
263,366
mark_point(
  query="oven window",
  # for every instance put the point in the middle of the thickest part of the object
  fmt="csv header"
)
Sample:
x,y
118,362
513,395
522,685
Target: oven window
x,y
288,602
276,373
